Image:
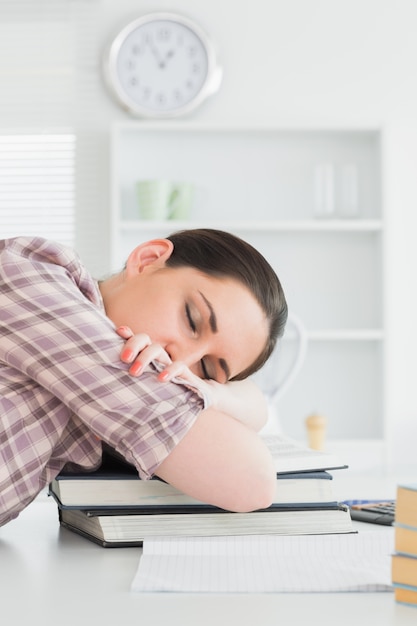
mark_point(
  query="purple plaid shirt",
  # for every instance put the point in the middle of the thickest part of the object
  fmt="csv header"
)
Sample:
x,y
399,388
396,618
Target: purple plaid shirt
x,y
63,386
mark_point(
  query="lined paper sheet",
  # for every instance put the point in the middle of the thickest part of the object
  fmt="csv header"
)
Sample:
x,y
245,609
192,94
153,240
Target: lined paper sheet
x,y
261,564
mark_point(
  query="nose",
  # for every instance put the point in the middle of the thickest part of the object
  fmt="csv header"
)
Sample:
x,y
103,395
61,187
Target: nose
x,y
189,352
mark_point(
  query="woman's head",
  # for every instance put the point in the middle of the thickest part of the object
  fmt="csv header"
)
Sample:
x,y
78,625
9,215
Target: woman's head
x,y
207,297
221,254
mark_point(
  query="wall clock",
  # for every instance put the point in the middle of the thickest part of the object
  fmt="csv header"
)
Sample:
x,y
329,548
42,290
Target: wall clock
x,y
161,65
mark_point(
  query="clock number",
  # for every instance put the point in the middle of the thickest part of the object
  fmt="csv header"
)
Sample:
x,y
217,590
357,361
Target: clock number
x,y
178,95
164,34
161,98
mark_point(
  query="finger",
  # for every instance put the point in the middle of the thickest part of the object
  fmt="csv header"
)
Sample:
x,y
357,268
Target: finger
x,y
178,369
171,371
125,332
154,352
181,371
134,346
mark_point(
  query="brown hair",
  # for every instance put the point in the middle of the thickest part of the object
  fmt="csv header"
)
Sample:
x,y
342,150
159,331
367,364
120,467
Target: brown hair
x,y
221,254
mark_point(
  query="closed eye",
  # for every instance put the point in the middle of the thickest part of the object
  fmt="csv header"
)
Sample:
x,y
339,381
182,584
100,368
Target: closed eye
x,y
204,371
189,318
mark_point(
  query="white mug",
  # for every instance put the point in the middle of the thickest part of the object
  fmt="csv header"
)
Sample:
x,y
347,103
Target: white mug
x,y
164,199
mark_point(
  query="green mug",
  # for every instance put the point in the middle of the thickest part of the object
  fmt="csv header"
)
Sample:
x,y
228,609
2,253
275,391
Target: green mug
x,y
164,199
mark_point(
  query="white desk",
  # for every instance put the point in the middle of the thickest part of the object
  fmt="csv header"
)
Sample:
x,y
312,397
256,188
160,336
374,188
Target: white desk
x,y
51,576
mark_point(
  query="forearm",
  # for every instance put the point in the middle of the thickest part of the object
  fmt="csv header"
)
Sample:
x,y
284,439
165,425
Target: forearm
x,y
223,463
242,400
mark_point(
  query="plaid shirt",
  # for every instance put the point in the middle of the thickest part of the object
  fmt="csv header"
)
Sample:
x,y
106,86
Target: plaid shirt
x,y
63,387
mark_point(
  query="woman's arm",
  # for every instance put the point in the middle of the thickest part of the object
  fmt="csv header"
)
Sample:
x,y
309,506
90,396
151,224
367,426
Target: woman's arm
x,y
61,355
222,462
242,400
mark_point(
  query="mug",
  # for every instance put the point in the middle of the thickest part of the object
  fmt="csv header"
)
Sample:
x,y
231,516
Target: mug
x,y
164,199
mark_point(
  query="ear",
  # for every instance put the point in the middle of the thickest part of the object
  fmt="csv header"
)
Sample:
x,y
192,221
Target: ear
x,y
151,253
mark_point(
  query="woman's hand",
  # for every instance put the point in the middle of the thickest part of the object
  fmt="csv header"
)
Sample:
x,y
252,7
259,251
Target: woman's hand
x,y
242,400
140,351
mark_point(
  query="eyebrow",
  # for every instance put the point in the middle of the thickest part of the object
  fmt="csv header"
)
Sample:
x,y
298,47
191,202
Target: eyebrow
x,y
212,318
214,328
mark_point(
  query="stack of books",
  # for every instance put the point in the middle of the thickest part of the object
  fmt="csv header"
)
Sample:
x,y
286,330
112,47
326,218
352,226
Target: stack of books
x,y
404,561
114,507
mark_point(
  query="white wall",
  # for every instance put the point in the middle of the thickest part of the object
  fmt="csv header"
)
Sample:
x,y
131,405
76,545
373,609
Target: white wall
x,y
302,59
303,62
295,62
285,62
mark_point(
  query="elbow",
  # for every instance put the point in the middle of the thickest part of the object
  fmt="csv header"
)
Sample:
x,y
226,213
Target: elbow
x,y
262,499
253,483
262,420
257,493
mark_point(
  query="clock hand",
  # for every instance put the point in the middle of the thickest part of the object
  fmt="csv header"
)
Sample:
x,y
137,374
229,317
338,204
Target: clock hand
x,y
163,63
155,53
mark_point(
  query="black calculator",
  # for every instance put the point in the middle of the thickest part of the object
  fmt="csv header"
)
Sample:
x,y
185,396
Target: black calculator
x,y
373,511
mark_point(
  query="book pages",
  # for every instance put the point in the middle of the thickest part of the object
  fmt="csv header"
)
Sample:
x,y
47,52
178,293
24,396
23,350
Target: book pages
x,y
260,564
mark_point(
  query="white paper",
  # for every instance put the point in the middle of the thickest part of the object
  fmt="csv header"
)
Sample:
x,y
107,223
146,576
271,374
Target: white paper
x,y
259,564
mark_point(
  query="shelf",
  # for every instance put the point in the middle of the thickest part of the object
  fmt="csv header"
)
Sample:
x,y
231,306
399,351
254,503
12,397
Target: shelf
x,y
269,185
340,334
261,225
192,126
346,335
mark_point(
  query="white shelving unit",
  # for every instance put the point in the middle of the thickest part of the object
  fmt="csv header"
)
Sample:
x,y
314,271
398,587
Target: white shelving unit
x,y
261,184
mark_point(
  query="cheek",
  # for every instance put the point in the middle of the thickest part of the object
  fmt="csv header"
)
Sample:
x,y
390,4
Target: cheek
x,y
128,312
158,324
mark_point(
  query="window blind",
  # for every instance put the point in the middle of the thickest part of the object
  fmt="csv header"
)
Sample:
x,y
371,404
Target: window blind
x,y
37,186
47,56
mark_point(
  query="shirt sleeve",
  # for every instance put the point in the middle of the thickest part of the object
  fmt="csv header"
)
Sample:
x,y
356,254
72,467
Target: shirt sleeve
x,y
58,338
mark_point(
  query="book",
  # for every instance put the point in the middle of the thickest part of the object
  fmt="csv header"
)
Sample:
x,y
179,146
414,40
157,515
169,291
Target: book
x,y
405,594
95,505
404,560
123,528
291,456
406,505
122,489
404,569
406,539
268,564
116,482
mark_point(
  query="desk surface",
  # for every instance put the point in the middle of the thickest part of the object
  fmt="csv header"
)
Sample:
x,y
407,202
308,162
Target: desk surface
x,y
50,574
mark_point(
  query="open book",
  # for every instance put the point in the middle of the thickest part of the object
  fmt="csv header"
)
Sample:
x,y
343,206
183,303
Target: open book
x,y
291,456
259,564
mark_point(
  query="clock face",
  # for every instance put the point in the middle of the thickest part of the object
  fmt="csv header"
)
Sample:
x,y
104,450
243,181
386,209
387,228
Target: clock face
x,y
161,65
